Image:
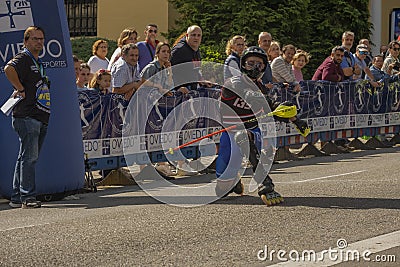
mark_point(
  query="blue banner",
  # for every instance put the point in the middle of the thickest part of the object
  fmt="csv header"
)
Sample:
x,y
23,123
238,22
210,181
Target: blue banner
x,y
60,167
326,106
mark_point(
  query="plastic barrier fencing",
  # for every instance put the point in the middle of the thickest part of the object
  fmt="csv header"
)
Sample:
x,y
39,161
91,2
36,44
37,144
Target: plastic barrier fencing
x,y
332,110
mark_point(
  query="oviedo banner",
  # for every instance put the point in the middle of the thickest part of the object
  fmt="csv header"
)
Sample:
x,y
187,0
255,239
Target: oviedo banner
x,y
60,167
328,108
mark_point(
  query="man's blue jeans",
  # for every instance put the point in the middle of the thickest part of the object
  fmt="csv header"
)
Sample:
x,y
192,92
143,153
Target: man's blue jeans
x,y
31,134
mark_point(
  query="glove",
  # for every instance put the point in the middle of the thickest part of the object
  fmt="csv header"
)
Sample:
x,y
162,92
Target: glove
x,y
302,127
285,110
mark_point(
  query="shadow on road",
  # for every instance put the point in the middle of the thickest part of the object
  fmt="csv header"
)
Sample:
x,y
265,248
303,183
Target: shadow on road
x,y
111,196
347,157
316,202
320,202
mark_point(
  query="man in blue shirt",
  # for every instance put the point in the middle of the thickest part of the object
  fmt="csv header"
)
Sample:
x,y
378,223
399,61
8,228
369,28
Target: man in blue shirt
x,y
147,48
348,63
378,73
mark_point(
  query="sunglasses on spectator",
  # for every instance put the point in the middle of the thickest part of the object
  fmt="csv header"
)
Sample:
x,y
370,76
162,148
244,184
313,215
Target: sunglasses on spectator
x,y
151,31
363,52
396,48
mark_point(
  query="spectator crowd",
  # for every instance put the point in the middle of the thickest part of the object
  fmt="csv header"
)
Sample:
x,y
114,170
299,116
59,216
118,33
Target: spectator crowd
x,y
129,60
133,63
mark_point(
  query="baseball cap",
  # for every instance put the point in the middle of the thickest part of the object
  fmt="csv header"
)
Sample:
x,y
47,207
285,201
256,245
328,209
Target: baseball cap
x,y
362,47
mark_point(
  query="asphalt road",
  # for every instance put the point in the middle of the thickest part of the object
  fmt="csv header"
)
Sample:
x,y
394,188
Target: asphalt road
x,y
354,197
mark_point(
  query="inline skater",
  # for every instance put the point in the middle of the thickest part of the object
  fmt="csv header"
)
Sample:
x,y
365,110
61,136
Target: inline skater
x,y
242,101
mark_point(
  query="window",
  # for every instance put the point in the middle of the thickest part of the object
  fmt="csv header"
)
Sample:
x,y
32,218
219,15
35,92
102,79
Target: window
x,y
82,17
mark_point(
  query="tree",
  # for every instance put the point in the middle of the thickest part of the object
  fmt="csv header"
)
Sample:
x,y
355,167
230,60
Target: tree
x,y
314,26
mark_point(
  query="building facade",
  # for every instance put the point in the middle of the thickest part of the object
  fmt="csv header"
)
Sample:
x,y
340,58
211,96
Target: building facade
x,y
106,18
380,11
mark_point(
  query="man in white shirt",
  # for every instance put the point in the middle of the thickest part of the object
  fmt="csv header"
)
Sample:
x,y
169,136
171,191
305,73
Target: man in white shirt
x,y
125,72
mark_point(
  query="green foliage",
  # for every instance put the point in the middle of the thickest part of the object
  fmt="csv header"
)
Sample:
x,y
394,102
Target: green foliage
x,y
82,47
213,53
312,25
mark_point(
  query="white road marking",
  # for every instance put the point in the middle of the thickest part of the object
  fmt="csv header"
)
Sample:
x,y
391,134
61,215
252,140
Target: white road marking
x,y
320,178
374,245
23,227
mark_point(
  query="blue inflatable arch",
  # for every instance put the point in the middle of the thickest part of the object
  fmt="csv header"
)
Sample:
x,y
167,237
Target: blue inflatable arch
x,y
60,167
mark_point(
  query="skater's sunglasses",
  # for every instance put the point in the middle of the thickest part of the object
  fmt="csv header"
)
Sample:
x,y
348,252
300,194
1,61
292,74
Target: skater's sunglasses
x,y
396,48
254,64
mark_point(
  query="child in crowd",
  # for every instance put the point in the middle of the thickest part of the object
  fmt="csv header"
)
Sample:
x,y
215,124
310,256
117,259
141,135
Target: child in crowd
x,y
300,59
77,63
83,76
101,81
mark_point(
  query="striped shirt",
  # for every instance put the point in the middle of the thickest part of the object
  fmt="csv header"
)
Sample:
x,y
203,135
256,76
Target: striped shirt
x,y
282,71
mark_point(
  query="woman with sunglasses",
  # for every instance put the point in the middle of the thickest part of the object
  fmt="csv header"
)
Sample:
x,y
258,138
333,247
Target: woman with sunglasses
x,y
360,55
147,48
391,65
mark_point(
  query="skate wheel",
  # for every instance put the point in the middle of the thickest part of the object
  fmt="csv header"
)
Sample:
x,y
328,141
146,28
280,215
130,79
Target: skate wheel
x,y
281,199
273,201
266,200
277,200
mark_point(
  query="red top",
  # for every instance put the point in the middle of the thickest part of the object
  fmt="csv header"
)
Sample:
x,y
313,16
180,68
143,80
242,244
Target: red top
x,y
329,71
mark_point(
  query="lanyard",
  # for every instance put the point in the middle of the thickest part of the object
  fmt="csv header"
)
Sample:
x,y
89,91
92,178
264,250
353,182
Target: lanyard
x,y
42,92
38,63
